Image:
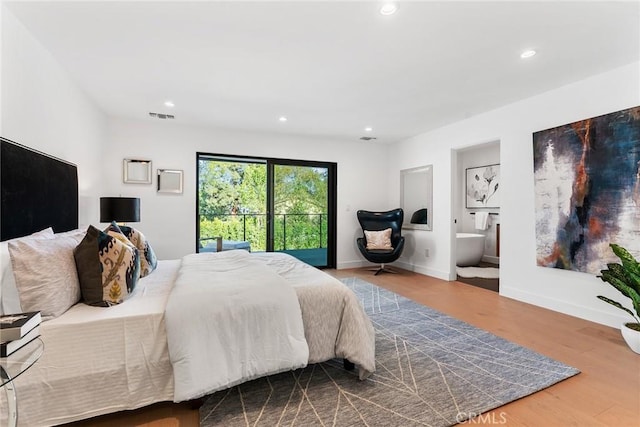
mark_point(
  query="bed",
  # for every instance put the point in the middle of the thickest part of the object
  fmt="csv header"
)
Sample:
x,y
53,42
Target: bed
x,y
101,360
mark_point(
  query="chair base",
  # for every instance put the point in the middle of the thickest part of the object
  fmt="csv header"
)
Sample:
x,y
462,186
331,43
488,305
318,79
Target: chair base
x,y
382,269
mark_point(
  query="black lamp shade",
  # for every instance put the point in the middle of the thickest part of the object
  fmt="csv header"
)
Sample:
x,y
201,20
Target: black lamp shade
x,y
119,209
419,217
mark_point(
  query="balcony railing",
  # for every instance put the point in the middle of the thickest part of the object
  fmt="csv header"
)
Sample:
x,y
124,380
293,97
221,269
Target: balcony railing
x,y
292,231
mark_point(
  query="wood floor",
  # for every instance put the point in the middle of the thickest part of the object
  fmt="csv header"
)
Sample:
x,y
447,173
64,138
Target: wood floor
x,y
605,393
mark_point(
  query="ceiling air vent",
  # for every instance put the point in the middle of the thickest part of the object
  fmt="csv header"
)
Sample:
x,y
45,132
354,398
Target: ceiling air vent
x,y
162,116
367,138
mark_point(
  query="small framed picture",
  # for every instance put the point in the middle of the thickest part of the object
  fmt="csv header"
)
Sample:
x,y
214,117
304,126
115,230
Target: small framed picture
x,y
136,171
482,187
170,181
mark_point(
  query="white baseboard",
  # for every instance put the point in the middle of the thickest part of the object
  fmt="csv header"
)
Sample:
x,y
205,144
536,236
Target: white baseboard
x,y
351,264
444,275
582,312
491,259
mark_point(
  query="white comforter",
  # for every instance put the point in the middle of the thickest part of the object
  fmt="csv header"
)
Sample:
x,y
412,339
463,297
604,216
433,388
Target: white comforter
x,y
335,323
230,319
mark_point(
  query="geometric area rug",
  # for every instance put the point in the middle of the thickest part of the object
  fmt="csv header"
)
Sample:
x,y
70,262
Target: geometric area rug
x,y
431,370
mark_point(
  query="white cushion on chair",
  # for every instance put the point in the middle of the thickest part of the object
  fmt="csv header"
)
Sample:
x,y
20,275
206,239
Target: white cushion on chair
x,y
378,239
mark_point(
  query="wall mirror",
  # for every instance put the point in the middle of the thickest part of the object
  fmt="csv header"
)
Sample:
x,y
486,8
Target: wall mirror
x,y
416,197
136,171
169,181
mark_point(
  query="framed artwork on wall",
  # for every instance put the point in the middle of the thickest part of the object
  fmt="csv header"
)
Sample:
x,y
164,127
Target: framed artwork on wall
x,y
170,181
482,187
136,171
587,191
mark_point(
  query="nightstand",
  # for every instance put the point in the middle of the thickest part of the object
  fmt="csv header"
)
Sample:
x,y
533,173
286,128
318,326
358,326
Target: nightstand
x,y
13,366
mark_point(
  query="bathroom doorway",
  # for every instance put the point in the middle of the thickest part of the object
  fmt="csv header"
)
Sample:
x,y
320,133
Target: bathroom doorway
x,y
476,212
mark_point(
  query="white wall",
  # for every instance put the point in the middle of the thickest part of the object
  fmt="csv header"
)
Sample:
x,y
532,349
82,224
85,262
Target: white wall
x,y
513,125
414,153
43,108
168,220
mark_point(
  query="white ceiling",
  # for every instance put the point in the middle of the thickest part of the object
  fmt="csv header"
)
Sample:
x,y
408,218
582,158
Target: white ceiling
x,y
333,68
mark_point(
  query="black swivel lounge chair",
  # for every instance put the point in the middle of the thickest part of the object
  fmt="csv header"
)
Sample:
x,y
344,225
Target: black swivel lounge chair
x,y
378,221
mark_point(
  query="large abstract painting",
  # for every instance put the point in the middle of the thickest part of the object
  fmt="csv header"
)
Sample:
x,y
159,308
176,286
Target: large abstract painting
x,y
587,191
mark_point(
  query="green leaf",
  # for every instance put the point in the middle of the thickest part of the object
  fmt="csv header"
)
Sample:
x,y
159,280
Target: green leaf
x,y
628,261
617,270
626,276
634,281
617,304
630,267
624,289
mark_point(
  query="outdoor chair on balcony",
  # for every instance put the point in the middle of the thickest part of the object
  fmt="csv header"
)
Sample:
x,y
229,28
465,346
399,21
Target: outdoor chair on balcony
x,y
217,244
382,242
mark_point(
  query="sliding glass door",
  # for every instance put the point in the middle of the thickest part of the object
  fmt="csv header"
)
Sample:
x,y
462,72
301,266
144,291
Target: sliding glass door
x,y
232,196
300,211
268,205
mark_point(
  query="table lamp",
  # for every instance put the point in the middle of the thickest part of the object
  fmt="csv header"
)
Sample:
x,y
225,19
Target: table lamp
x,y
120,209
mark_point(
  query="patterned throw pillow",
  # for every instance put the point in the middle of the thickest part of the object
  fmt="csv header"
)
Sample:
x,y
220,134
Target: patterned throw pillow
x,y
148,260
114,230
378,239
108,268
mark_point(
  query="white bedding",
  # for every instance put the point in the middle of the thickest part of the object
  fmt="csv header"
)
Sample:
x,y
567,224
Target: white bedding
x,y
102,360
231,319
335,323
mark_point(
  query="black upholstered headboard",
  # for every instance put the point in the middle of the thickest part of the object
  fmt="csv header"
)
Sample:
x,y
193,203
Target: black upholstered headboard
x,y
38,191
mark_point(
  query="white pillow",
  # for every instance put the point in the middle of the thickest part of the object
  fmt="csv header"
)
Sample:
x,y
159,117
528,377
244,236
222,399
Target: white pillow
x,y
77,234
9,298
378,239
45,272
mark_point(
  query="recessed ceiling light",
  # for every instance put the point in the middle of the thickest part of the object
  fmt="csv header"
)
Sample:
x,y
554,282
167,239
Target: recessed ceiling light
x,y
282,119
527,54
169,104
388,9
368,129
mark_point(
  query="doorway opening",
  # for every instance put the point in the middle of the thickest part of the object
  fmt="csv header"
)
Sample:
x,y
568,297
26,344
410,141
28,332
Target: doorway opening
x,y
476,209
